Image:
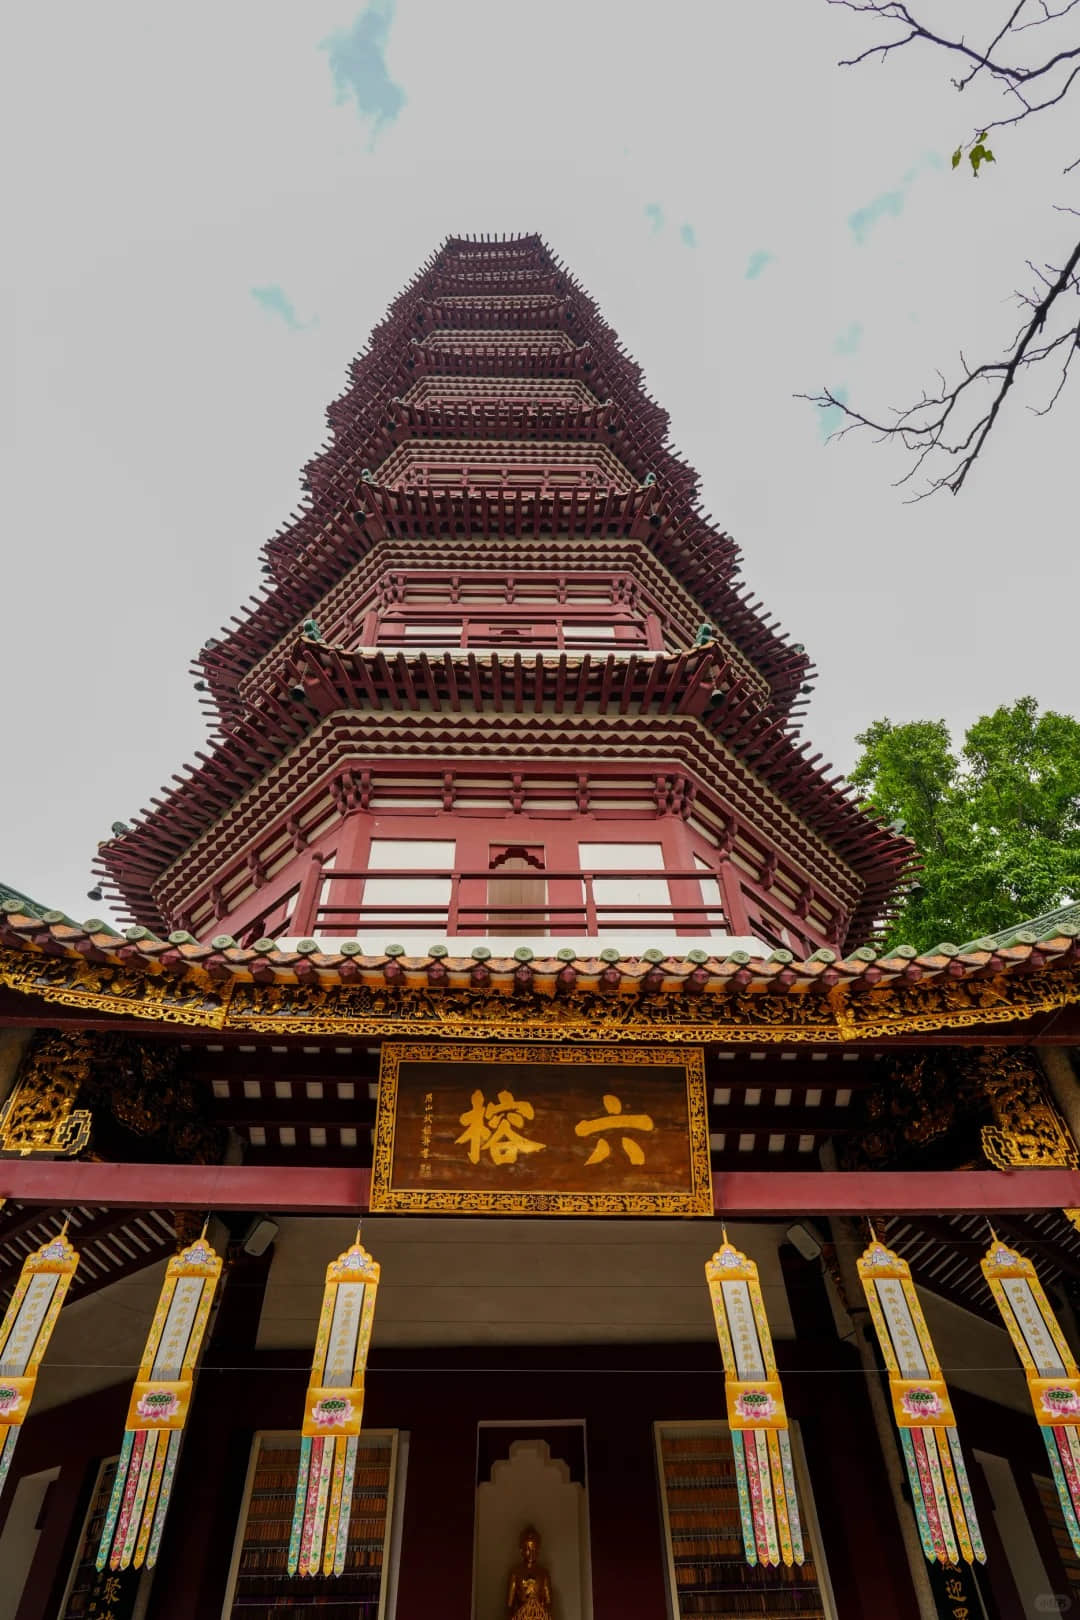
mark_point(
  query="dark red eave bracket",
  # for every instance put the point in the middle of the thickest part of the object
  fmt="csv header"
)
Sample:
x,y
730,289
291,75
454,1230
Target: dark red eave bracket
x,y
311,1190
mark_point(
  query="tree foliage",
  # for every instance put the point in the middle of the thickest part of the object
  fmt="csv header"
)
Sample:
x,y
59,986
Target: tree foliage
x,y
996,825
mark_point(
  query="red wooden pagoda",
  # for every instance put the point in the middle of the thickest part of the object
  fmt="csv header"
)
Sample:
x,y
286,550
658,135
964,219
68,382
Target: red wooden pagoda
x,y
506,820
500,551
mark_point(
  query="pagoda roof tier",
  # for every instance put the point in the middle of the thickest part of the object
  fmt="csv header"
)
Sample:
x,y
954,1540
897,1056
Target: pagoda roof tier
x,y
580,416
502,352
480,465
589,558
653,696
535,507
353,759
501,416
503,247
1005,991
482,312
540,394
407,421
694,553
525,281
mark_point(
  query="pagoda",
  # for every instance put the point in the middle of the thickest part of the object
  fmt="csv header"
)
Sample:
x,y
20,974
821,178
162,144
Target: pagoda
x,y
507,908
502,637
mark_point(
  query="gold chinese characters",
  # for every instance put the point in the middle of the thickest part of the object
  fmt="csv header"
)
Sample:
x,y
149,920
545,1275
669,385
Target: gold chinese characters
x,y
615,1120
496,1128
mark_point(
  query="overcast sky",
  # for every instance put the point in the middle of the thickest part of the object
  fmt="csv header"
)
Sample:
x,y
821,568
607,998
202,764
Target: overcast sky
x,y
213,204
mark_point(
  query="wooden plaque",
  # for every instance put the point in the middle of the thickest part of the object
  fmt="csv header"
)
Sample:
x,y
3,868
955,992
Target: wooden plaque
x,y
541,1130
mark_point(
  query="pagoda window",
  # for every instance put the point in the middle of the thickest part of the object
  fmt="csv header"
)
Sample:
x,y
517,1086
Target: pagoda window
x,y
422,900
517,892
712,898
273,922
622,899
519,626
773,929
529,853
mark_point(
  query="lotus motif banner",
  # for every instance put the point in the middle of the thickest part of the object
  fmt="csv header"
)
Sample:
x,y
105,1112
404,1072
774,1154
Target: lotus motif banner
x,y
765,1478
546,1130
940,1491
157,1412
25,1333
1052,1377
332,1413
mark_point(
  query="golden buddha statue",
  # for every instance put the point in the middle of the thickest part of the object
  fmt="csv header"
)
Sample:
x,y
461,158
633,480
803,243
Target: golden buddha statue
x,y
529,1596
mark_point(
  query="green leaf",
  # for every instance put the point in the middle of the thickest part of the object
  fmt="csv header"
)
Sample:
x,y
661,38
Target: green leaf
x,y
996,821
957,155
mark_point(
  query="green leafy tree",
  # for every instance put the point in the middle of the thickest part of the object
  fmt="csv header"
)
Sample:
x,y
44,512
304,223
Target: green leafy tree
x,y
997,825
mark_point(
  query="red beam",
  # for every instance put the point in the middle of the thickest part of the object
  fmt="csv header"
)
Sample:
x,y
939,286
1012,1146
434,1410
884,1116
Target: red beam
x,y
896,1192
334,1190
297,1189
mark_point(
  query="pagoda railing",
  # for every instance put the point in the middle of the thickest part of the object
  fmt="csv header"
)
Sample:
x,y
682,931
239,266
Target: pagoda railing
x,y
560,902
496,902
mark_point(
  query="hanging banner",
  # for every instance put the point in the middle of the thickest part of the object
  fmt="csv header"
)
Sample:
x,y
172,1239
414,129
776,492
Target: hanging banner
x,y
157,1413
25,1333
1053,1379
764,1476
332,1414
940,1491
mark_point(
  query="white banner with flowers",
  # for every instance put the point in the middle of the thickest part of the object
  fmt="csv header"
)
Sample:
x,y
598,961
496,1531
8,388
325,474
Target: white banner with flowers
x,y
333,1410
764,1476
158,1410
25,1333
1052,1376
940,1492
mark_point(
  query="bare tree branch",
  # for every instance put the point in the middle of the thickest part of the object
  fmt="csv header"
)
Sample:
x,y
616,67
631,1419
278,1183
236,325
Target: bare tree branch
x,y
946,431
1012,77
955,423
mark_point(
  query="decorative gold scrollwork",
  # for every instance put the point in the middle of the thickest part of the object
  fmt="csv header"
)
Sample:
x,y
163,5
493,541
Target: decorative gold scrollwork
x,y
957,1100
374,1009
40,1115
1027,1131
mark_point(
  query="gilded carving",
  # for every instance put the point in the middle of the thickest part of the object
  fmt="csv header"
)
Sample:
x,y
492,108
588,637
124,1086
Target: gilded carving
x,y
40,1115
1027,1131
962,1105
119,1082
89,987
374,1010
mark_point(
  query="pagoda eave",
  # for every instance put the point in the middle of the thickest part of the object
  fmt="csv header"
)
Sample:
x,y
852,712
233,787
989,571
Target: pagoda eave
x,y
321,683
737,998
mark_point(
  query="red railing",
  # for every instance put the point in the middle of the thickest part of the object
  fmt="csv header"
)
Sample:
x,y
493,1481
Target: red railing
x,y
561,902
522,638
